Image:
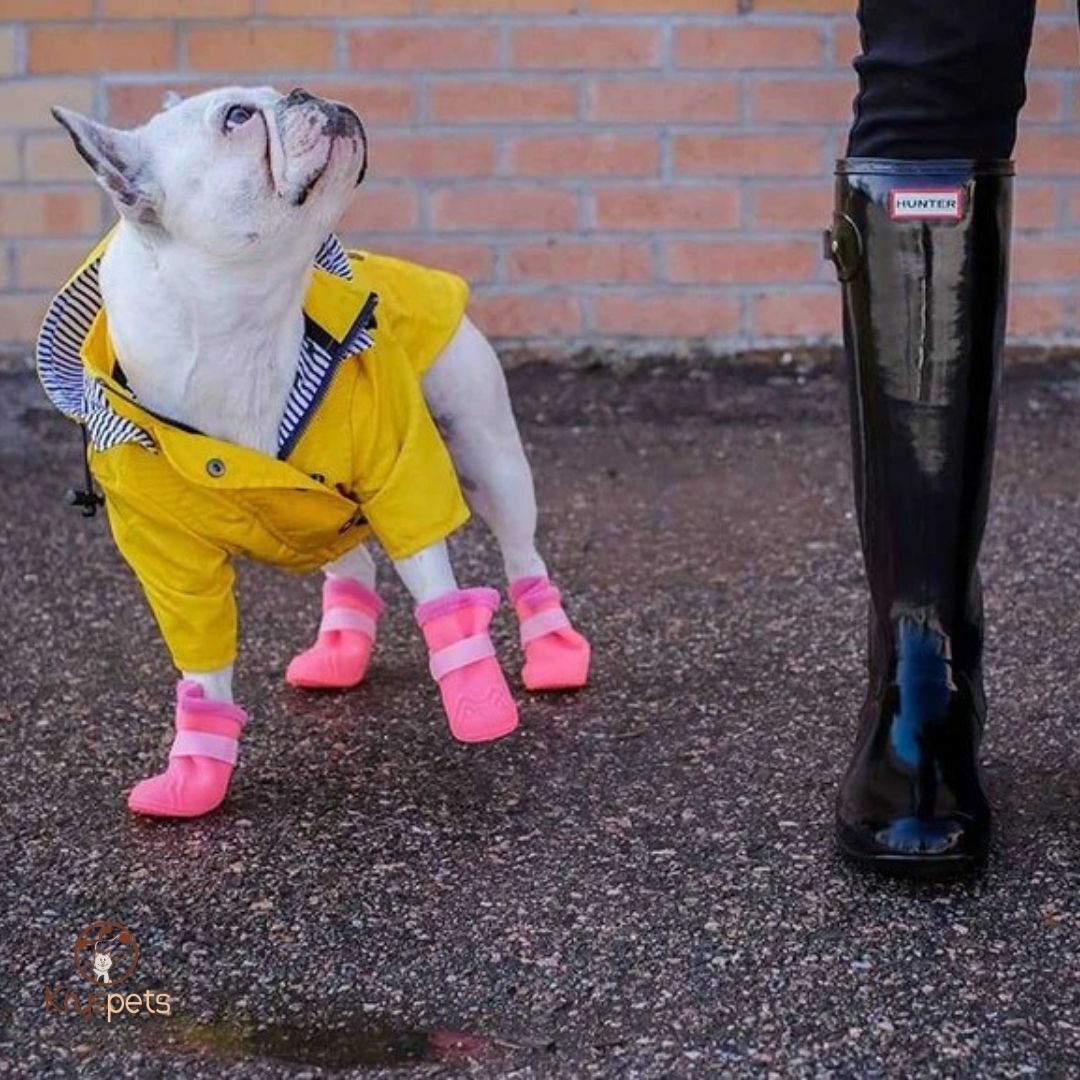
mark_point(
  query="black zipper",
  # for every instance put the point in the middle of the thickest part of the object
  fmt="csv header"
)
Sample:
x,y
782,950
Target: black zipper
x,y
364,321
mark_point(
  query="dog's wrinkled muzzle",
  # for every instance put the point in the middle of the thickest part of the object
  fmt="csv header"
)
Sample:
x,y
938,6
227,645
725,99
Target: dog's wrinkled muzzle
x,y
307,129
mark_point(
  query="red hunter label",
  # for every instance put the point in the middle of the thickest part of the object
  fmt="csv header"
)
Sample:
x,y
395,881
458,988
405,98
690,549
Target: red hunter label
x,y
921,204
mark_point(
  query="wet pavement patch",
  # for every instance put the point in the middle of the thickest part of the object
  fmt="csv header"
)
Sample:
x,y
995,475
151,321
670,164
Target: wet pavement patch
x,y
359,1042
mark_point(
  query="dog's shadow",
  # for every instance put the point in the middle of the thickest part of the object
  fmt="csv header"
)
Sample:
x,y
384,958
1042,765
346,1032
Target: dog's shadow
x,y
381,747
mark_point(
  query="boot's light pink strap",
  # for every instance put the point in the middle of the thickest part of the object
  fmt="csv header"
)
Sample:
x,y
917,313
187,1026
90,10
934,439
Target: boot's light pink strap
x,y
205,744
546,622
347,619
461,654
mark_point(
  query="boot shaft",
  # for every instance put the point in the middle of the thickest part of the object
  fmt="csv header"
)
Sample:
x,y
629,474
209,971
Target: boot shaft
x,y
922,251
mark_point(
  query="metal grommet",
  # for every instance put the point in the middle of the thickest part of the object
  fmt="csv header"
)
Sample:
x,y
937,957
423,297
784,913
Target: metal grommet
x,y
215,467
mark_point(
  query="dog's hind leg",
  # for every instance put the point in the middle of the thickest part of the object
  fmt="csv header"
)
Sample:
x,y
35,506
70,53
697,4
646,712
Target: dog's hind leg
x,y
351,609
467,394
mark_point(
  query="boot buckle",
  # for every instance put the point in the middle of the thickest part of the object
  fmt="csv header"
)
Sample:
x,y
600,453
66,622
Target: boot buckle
x,y
842,245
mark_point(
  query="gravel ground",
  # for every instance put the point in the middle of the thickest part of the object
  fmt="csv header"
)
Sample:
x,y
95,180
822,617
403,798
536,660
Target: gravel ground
x,y
640,882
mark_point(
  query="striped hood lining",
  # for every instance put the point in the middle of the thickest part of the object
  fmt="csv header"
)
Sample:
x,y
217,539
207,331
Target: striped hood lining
x,y
78,396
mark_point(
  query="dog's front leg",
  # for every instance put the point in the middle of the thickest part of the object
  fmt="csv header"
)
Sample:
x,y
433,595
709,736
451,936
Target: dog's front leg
x,y
189,583
204,751
351,610
455,625
428,574
216,685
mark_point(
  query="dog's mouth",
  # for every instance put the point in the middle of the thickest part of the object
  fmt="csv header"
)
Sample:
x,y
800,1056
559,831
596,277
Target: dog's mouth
x,y
303,135
302,196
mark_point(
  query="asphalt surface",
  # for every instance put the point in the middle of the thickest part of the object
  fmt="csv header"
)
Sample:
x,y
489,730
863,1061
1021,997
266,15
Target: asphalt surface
x,y
641,881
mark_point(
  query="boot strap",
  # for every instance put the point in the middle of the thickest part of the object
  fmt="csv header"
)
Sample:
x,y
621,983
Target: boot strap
x,y
842,245
461,654
205,744
542,624
348,619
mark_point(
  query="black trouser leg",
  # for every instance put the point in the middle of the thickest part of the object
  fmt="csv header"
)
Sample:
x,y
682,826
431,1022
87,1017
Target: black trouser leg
x,y
920,239
940,78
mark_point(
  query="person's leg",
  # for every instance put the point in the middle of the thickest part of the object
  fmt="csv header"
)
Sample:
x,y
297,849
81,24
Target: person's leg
x,y
940,80
920,239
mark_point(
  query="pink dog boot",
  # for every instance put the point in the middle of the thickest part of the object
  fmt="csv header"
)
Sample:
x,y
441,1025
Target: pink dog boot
x,y
474,692
201,761
341,653
556,655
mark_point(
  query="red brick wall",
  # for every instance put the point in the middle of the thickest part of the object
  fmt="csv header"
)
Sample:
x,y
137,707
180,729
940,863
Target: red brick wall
x,y
628,172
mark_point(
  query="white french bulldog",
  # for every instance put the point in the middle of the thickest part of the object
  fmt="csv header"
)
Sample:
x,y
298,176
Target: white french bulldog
x,y
225,200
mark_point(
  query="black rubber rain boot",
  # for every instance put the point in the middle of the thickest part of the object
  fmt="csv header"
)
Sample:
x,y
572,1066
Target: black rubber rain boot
x,y
921,248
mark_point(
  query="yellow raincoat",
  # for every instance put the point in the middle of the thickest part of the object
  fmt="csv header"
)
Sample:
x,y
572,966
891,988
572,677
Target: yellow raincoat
x,y
366,459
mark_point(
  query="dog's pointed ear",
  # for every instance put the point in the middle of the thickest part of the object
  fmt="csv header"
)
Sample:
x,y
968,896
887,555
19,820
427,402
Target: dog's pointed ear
x,y
119,161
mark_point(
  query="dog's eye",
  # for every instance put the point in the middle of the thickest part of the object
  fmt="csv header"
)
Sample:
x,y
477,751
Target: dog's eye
x,y
237,116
